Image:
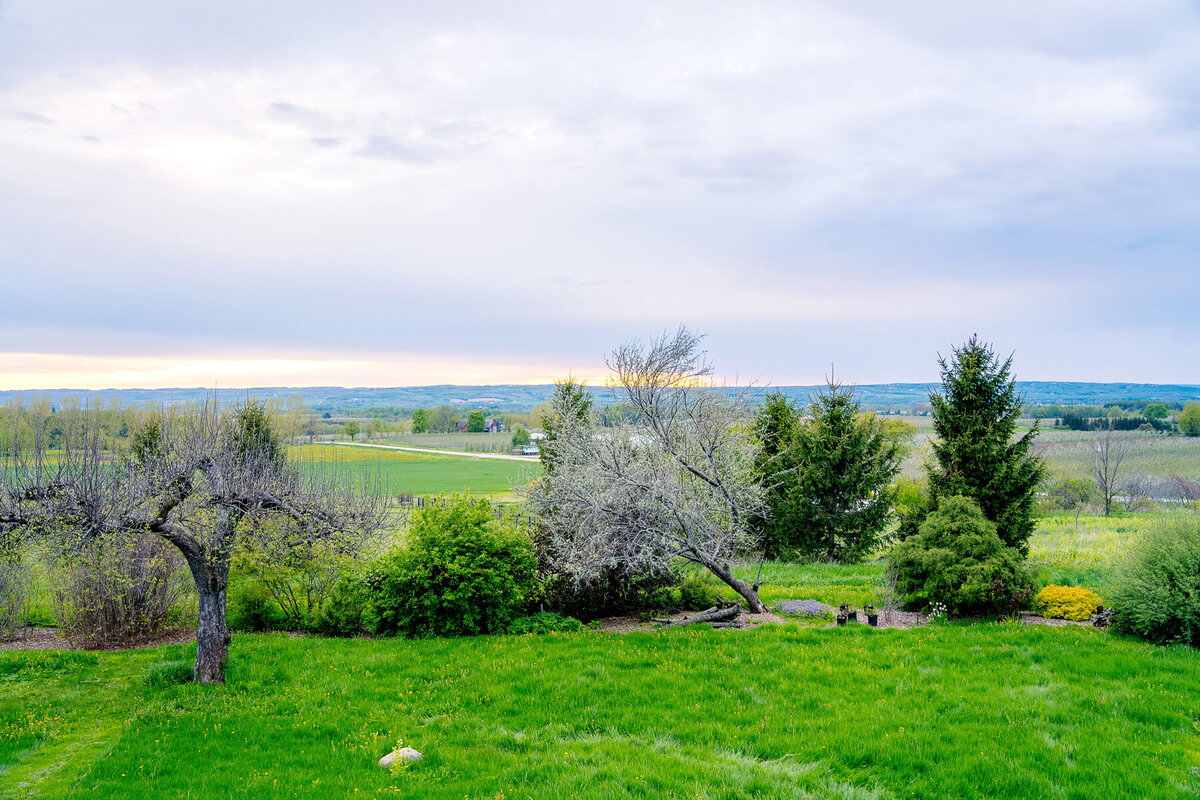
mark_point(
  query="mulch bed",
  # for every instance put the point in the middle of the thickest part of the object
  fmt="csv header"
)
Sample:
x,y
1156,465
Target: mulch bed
x,y
49,639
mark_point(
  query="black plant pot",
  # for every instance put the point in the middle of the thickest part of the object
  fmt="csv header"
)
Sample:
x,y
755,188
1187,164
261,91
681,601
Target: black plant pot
x,y
841,620
853,616
873,620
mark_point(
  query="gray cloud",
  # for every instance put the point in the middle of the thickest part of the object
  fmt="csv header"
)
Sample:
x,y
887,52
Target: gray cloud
x,y
25,116
392,148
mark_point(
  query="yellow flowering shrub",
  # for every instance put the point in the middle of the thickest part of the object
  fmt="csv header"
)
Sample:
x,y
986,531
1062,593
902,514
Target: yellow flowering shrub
x,y
1066,602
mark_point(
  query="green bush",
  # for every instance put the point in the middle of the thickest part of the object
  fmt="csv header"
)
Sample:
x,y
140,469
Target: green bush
x,y
251,608
345,612
545,622
696,594
1156,590
957,558
297,577
463,572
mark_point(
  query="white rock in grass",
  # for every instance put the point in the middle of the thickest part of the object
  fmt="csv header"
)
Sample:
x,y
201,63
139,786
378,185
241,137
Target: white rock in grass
x,y
405,755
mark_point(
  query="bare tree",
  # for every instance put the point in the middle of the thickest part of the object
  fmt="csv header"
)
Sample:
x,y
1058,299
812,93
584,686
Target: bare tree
x,y
206,482
677,483
1111,449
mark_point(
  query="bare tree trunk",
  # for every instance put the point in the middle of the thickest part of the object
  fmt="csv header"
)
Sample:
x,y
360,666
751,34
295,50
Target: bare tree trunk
x,y
212,632
748,592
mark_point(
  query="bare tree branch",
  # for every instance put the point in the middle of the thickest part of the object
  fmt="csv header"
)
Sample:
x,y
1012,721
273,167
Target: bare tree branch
x,y
677,482
204,481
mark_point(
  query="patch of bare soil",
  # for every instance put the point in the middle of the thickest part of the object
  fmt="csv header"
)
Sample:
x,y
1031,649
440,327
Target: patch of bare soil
x,y
49,639
35,639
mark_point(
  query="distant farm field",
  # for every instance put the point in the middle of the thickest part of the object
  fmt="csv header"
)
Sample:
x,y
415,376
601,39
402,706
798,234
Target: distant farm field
x,y
1071,454
402,472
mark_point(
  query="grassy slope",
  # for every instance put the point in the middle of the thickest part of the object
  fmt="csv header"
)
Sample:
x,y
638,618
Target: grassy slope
x,y
990,710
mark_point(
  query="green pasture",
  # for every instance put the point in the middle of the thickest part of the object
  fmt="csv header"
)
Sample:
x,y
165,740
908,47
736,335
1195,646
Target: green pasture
x,y
399,471
470,442
984,710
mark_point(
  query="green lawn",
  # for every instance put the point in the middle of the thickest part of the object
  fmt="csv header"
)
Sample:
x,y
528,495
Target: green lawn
x,y
986,710
401,472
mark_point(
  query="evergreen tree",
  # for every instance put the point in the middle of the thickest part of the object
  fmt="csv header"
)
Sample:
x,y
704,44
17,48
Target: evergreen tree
x,y
828,477
775,428
569,398
975,419
845,462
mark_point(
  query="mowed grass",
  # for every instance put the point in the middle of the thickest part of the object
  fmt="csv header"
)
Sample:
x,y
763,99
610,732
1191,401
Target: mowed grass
x,y
400,472
985,710
854,584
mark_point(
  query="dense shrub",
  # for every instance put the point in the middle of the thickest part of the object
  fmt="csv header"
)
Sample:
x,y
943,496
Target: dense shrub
x,y
614,593
1066,602
296,578
545,622
462,572
251,608
1156,591
346,612
957,558
697,594
118,591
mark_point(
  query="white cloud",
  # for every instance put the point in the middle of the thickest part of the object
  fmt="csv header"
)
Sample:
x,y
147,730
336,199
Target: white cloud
x,y
612,167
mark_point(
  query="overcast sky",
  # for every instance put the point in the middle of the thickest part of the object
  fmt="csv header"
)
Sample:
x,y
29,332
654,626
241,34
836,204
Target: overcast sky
x,y
386,193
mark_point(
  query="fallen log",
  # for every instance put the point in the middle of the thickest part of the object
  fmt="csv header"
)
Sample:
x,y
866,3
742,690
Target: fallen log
x,y
713,614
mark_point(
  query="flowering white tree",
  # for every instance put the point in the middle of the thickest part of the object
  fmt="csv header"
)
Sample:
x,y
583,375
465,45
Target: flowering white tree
x,y
676,480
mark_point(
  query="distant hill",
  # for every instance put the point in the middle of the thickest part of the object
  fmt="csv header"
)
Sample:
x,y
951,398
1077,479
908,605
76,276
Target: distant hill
x,y
879,396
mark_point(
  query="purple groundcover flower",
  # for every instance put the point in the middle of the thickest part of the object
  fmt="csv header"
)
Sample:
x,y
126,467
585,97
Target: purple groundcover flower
x,y
802,608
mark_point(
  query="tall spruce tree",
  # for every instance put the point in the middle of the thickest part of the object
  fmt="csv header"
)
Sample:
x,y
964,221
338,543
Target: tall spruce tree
x,y
827,477
570,398
775,428
975,453
845,463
